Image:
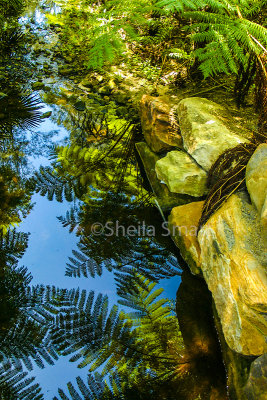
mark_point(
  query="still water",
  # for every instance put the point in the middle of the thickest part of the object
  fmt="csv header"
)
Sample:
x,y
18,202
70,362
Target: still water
x,y
85,290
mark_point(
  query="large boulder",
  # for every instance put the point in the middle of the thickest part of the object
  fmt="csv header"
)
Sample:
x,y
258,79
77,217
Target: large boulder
x,y
206,129
234,262
166,200
183,226
159,130
256,181
182,174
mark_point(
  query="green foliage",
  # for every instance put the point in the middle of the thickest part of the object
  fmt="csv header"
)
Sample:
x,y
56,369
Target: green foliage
x,y
140,354
102,156
14,200
101,36
227,30
14,384
18,110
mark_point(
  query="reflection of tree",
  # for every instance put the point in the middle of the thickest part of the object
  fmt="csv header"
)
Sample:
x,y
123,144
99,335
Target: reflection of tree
x,y
117,247
15,384
141,359
99,168
102,157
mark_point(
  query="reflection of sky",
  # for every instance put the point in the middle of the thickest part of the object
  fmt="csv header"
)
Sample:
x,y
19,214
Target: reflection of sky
x,y
50,244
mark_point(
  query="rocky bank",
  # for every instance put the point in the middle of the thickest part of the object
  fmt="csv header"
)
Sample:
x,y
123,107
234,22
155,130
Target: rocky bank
x,y
230,251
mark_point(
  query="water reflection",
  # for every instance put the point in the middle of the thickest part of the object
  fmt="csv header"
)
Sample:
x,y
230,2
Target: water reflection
x,y
133,349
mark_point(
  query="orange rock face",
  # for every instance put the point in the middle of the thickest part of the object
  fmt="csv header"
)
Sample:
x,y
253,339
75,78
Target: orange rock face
x,y
159,130
183,223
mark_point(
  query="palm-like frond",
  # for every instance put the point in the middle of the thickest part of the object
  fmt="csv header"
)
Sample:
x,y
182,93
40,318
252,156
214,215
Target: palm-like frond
x,y
19,110
9,39
226,176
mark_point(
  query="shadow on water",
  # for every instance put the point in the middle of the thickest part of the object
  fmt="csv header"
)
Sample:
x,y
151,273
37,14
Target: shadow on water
x,y
195,316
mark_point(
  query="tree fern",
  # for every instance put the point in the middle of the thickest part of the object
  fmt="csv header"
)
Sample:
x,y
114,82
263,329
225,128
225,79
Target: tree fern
x,y
15,384
12,246
89,332
48,183
228,30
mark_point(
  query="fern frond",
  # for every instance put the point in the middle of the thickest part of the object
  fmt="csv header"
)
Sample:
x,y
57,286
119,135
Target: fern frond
x,y
48,183
13,245
14,384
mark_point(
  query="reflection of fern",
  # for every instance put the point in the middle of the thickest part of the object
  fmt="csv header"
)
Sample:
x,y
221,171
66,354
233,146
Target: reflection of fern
x,y
89,331
24,342
146,257
70,220
15,385
93,389
138,363
48,183
12,246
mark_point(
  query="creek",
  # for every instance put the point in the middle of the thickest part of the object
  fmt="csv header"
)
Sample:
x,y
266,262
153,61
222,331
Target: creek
x,y
69,231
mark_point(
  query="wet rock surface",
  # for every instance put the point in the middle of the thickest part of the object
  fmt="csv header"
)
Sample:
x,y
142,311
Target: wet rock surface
x,y
256,387
157,126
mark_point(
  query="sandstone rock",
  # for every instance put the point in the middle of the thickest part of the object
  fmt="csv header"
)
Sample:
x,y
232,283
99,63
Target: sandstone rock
x,y
204,130
256,387
234,262
165,199
157,126
183,223
256,181
181,174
